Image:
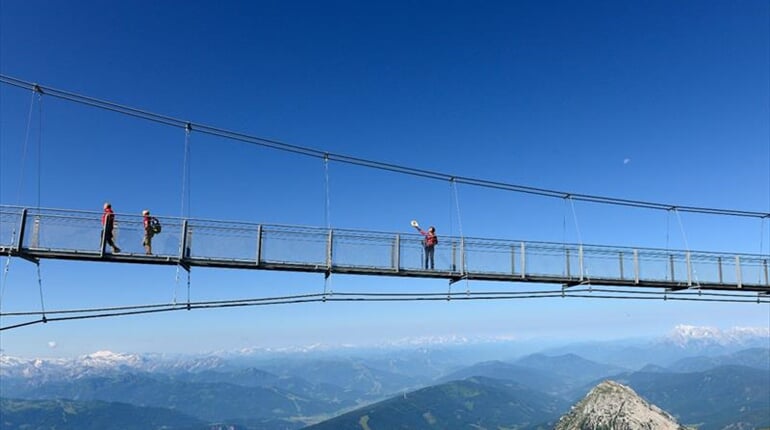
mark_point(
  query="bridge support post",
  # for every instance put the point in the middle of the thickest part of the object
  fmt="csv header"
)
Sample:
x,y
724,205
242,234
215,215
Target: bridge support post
x,y
19,245
566,253
671,265
397,253
259,245
767,280
636,266
22,227
513,260
184,246
738,277
188,242
523,261
689,269
329,253
580,261
35,242
462,256
620,260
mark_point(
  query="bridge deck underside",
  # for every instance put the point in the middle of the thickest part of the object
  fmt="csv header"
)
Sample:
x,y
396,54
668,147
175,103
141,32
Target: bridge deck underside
x,y
377,271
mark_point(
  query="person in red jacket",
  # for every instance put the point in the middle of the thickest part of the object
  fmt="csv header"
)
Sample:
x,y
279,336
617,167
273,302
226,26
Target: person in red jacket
x,y
429,242
108,223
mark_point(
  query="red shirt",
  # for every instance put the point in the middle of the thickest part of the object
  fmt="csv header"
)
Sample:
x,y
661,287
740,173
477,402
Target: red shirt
x,y
107,212
430,238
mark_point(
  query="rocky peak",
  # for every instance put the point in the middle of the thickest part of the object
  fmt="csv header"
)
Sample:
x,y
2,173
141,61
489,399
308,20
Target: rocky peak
x,y
611,405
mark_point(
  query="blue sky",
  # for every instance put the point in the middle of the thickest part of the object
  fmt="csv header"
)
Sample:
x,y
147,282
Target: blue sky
x,y
649,100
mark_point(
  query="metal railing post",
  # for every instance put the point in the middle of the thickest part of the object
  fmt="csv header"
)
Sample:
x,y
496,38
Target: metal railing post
x,y
454,256
188,248
671,265
22,227
397,253
566,252
523,261
513,260
35,242
764,263
580,261
329,252
636,266
183,250
689,269
620,259
259,244
462,255
738,276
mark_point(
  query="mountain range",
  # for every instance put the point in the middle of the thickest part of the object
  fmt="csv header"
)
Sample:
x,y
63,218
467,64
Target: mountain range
x,y
723,386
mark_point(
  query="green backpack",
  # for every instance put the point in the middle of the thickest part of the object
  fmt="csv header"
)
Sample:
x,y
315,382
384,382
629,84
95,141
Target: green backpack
x,y
155,225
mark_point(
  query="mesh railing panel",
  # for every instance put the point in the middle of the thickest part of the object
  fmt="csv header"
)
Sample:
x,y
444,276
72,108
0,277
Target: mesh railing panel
x,y
283,245
222,242
485,257
10,219
605,265
753,271
544,259
653,266
364,250
412,254
62,232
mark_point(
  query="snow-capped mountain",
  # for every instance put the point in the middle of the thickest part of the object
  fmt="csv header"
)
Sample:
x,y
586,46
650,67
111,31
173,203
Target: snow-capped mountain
x,y
699,338
103,363
108,360
92,364
406,342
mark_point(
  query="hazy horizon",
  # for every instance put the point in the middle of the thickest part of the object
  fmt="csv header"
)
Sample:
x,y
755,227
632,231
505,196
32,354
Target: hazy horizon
x,y
526,344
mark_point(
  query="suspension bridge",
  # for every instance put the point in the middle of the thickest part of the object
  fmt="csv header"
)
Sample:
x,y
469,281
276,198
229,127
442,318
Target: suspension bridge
x,y
35,234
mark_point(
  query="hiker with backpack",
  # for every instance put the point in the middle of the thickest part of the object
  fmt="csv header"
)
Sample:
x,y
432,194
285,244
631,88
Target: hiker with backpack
x,y
151,228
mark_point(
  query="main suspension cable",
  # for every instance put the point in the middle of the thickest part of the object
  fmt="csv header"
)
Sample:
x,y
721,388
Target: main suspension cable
x,y
274,144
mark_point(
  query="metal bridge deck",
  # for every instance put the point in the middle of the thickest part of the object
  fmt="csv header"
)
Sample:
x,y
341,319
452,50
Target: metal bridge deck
x,y
36,234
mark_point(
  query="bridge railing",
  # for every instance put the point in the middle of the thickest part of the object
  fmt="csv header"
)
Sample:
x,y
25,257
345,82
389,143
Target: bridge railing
x,y
79,232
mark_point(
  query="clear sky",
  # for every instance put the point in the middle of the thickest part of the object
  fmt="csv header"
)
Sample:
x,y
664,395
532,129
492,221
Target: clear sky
x,y
665,101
